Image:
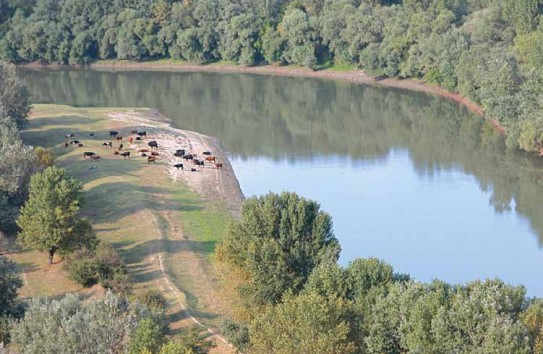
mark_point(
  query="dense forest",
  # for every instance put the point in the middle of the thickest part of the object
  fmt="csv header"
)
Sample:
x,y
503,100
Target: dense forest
x,y
489,51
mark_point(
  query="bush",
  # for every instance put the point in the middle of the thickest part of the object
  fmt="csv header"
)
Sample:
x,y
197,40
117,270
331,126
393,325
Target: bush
x,y
84,271
152,299
237,334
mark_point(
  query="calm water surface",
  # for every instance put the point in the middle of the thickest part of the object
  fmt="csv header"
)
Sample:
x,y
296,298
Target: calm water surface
x,y
407,177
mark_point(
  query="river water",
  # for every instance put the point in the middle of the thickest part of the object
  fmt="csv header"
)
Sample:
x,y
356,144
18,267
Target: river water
x,y
408,177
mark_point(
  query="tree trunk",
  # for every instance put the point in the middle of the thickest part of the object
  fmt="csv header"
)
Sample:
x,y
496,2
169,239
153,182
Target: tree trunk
x,y
52,251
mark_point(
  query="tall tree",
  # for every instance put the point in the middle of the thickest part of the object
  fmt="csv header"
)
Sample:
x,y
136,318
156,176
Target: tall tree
x,y
14,98
50,218
9,284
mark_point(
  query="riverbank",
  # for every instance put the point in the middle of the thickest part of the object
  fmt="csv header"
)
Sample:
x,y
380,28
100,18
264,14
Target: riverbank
x,y
164,228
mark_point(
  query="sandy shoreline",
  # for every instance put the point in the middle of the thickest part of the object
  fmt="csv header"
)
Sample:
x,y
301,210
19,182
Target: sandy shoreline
x,y
208,181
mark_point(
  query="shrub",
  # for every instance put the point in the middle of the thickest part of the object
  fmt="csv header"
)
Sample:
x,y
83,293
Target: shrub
x,y
84,271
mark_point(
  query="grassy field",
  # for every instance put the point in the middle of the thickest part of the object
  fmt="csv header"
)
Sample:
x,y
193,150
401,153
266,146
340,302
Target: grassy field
x,y
136,207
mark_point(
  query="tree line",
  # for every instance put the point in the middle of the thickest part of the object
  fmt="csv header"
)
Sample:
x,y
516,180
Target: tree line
x,y
489,51
291,296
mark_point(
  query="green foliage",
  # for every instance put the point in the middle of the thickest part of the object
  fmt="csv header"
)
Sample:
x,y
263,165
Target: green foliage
x,y
279,239
83,271
9,284
45,156
147,338
237,333
14,98
307,323
152,299
50,218
102,325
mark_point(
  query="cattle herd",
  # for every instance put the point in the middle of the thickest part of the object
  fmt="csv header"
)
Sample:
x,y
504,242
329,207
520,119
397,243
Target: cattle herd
x,y
151,153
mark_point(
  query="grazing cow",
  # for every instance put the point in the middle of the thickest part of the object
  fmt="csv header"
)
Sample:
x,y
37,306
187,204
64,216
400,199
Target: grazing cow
x,y
138,138
151,159
210,158
192,170
178,166
179,153
80,145
144,155
188,157
143,150
119,138
133,132
126,154
153,144
142,134
200,163
115,152
113,133
95,157
91,134
130,139
208,153
219,165
121,147
154,153
69,136
104,144
110,144
66,145
88,154
74,142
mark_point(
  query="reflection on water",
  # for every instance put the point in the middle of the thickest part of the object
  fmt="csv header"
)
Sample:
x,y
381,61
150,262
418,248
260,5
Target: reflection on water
x,y
408,177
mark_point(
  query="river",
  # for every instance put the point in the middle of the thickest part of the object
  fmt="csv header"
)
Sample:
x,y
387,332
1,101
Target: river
x,y
408,177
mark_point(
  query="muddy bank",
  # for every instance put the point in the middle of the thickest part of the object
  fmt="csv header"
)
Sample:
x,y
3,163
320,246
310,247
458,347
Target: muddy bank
x,y
211,182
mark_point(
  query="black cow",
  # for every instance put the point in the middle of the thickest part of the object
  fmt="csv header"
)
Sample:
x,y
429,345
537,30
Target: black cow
x,y
199,163
192,170
188,157
178,166
88,154
153,144
208,153
179,153
74,142
121,147
69,135
138,138
142,134
91,134
113,133
125,154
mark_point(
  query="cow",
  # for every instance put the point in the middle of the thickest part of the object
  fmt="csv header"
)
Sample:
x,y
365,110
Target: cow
x,y
115,152
95,157
192,170
104,144
74,142
88,154
113,133
143,150
67,136
80,145
179,153
142,134
138,138
200,163
151,159
121,147
133,132
144,155
91,134
219,165
153,144
210,159
119,138
66,145
130,139
188,157
126,154
208,153
178,166
154,153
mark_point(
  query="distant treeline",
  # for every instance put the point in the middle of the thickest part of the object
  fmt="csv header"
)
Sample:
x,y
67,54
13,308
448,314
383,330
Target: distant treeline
x,y
488,50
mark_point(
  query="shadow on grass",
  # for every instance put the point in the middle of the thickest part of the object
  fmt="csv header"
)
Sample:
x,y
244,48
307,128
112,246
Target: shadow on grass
x,y
113,201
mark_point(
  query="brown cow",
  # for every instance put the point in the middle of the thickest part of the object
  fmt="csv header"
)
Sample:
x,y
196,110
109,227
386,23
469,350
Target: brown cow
x,y
210,158
119,138
95,157
155,153
143,150
218,165
130,139
151,159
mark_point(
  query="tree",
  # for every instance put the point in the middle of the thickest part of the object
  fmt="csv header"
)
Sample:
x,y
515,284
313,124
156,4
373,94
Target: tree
x,y
299,34
147,338
14,98
9,284
307,323
279,240
50,218
102,325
